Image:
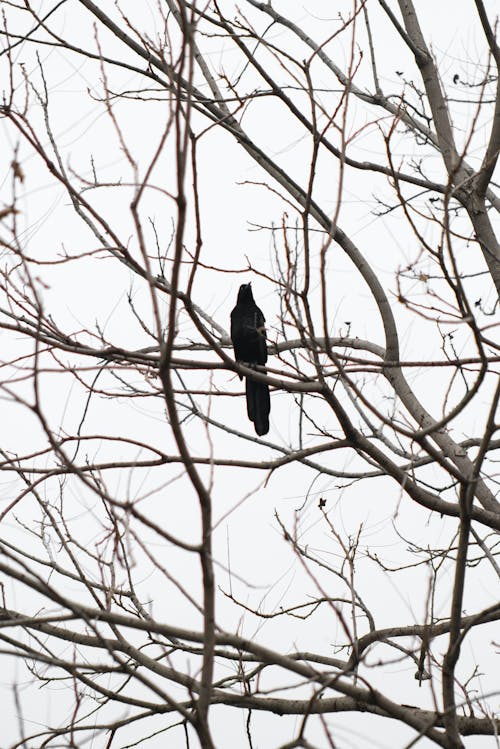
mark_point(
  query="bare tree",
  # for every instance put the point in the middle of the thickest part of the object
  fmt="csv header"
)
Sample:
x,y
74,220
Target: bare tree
x,y
166,573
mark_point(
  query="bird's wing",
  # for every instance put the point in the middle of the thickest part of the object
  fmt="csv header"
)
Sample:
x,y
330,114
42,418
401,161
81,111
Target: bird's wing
x,y
260,325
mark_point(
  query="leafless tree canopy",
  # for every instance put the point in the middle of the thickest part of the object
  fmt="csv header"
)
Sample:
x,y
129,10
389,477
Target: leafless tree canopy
x,y
167,577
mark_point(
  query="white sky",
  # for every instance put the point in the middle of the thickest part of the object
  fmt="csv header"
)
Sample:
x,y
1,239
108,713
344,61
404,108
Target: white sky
x,y
265,573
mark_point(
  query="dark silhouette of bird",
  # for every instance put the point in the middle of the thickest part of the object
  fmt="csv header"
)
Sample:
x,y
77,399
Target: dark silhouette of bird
x,y
248,334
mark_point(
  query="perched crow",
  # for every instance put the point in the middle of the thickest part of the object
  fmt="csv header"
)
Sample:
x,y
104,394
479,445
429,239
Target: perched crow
x,y
248,334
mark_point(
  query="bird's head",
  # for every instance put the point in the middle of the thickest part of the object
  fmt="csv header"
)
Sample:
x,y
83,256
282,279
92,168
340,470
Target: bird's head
x,y
245,293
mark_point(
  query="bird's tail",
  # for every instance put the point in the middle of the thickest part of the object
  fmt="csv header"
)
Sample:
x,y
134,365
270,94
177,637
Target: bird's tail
x,y
258,405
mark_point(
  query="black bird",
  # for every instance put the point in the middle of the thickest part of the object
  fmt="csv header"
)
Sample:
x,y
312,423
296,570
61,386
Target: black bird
x,y
248,334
